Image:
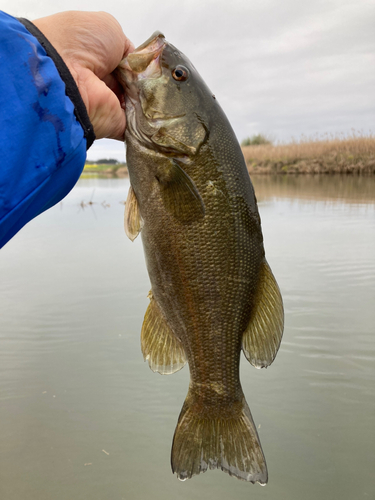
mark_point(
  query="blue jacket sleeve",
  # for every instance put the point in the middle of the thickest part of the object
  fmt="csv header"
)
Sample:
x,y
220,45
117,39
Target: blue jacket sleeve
x,y
44,126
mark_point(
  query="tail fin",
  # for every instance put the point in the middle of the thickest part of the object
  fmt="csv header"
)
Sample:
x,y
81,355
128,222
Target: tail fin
x,y
230,444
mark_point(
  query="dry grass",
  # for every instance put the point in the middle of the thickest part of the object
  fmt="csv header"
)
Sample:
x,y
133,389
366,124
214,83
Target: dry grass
x,y
353,154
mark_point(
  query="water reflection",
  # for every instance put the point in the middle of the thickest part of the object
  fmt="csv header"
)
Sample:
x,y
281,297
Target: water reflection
x,y
345,188
348,189
73,292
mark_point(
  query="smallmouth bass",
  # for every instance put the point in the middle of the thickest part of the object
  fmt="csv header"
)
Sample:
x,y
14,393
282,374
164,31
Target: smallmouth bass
x,y
213,293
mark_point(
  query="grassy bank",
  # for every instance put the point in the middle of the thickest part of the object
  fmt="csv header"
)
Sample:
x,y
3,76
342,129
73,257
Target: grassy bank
x,y
117,170
354,155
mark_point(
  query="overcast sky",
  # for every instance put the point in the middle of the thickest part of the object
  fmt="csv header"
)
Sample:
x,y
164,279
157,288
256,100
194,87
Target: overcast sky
x,y
284,69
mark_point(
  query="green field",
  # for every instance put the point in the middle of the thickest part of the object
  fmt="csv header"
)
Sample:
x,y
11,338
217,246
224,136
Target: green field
x,y
119,169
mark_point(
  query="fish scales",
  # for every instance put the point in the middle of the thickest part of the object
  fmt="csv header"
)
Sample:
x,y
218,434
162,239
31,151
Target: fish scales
x,y
213,293
204,297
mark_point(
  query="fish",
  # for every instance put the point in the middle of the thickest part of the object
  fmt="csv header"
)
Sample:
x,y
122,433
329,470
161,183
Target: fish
x,y
213,293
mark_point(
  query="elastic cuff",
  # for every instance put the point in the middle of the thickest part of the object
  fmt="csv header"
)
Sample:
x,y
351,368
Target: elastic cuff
x,y
71,89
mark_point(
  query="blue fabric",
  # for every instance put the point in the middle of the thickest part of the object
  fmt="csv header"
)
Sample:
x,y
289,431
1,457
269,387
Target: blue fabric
x,y
43,149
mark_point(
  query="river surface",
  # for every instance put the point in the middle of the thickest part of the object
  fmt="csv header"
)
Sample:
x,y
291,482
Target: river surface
x,y
84,418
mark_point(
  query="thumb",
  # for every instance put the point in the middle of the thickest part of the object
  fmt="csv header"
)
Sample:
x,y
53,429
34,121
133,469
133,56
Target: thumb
x,y
103,106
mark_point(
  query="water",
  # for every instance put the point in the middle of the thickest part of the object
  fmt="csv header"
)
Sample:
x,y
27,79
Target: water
x,y
83,417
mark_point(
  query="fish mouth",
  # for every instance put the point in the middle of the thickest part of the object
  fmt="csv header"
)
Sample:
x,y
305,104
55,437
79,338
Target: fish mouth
x,y
155,41
143,63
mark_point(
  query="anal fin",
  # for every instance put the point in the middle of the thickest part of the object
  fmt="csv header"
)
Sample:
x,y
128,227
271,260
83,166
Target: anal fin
x,y
160,347
262,337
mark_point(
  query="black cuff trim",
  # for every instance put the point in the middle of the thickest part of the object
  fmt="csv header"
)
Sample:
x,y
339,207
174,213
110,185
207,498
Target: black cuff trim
x,y
71,89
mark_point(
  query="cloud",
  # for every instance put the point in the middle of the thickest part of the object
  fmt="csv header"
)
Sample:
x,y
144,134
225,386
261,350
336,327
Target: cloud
x,y
282,68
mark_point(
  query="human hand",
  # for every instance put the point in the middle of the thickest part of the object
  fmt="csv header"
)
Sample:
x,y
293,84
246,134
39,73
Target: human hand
x,y
92,45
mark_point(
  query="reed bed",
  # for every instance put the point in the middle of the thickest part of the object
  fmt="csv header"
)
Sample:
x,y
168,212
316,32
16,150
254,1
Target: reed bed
x,y
350,155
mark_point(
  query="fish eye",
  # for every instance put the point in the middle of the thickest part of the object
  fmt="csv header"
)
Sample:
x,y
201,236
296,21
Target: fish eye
x,y
180,73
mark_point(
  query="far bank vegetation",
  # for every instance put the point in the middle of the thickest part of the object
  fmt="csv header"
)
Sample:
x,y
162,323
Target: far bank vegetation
x,y
326,155
106,167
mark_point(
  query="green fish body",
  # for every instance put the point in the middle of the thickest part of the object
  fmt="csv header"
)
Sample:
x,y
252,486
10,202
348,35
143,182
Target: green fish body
x,y
213,293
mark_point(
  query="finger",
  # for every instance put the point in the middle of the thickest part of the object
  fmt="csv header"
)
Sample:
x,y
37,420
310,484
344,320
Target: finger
x,y
103,107
114,85
109,120
128,47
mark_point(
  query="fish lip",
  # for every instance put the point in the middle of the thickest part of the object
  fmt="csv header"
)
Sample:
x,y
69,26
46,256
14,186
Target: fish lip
x,y
136,65
155,40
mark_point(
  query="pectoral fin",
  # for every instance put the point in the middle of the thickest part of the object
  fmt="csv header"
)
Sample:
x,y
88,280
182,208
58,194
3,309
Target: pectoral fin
x,y
179,193
261,339
132,219
160,347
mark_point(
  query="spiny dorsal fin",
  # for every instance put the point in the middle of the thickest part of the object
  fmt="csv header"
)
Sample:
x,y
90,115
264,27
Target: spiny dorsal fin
x,y
160,347
132,220
262,337
179,193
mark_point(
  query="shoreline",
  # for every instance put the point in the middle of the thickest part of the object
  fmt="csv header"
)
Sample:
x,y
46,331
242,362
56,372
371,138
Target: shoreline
x,y
352,156
119,170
